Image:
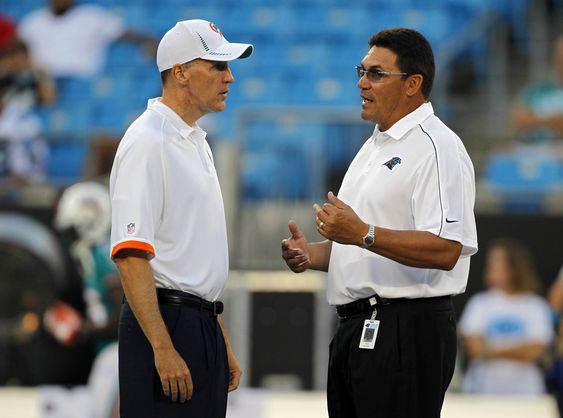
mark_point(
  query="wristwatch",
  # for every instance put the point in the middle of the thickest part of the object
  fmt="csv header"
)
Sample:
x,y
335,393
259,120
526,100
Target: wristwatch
x,y
369,238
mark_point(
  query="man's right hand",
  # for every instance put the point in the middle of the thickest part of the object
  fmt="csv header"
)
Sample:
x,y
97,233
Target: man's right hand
x,y
294,249
174,374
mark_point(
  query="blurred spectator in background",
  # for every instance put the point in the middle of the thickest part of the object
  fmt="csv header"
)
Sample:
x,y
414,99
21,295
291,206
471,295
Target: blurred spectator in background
x,y
555,293
69,40
506,328
23,151
555,377
7,30
537,116
26,85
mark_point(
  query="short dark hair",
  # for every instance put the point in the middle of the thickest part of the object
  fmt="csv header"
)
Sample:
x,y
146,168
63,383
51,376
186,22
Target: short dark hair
x,y
164,76
414,53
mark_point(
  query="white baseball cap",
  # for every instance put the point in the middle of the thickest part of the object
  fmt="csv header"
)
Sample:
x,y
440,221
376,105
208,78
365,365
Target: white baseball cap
x,y
192,39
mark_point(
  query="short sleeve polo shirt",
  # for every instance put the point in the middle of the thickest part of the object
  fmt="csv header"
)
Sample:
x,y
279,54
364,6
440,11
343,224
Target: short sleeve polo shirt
x,y
166,200
417,175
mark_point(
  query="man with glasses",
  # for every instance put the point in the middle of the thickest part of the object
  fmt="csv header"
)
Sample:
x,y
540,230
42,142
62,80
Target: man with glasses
x,y
169,237
399,237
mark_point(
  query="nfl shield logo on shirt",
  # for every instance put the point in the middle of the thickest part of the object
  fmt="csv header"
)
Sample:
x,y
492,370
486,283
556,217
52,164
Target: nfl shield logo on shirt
x,y
130,227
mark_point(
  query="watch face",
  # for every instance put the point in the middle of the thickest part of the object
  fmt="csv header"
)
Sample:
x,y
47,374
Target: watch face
x,y
370,237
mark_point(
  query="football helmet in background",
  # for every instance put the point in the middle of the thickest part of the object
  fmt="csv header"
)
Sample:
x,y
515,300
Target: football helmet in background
x,y
85,206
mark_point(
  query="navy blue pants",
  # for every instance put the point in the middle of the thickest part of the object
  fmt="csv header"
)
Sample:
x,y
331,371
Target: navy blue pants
x,y
197,336
407,373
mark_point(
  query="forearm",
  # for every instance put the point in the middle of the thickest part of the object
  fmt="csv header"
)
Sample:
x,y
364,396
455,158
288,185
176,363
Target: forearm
x,y
235,370
224,331
524,118
555,295
319,254
46,89
138,284
416,248
477,347
527,353
136,37
555,123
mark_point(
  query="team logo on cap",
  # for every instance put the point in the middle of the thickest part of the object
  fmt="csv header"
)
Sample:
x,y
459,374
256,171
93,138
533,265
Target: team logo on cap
x,y
131,227
214,28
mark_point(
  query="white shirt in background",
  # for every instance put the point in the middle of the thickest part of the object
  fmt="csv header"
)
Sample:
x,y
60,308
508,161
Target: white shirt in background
x,y
506,321
72,44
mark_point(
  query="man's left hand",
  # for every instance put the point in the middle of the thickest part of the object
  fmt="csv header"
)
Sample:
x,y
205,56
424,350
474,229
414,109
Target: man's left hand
x,y
338,222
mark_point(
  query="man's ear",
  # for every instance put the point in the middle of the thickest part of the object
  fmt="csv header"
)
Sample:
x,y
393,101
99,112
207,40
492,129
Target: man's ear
x,y
179,73
414,84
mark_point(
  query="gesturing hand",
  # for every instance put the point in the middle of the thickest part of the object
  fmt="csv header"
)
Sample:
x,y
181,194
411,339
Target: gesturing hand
x,y
294,249
338,222
174,374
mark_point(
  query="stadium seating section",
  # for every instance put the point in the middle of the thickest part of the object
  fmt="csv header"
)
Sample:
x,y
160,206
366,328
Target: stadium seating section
x,y
525,178
305,51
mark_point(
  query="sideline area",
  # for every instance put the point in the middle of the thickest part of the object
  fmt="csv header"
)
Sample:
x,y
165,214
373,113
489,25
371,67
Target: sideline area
x,y
248,403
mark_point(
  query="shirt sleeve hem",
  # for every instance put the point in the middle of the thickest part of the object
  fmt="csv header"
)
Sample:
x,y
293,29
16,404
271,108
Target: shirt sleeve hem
x,y
135,245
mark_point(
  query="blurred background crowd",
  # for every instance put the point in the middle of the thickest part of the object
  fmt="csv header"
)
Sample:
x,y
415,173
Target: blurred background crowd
x,y
74,74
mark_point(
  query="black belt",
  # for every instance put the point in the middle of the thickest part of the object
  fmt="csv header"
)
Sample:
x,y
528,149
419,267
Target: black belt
x,y
177,297
362,306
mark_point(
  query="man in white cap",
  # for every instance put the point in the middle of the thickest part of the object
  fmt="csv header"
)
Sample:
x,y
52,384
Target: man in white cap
x,y
169,237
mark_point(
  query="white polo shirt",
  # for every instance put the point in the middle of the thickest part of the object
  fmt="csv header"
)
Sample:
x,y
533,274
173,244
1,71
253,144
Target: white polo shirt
x,y
415,176
74,43
166,200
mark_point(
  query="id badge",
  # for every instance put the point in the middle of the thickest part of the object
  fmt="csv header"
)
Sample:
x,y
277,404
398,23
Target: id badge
x,y
369,334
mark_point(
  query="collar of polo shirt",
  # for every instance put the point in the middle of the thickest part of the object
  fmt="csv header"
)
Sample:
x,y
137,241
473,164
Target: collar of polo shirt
x,y
410,121
185,130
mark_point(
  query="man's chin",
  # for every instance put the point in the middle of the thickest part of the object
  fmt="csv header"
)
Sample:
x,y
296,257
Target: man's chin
x,y
220,106
364,115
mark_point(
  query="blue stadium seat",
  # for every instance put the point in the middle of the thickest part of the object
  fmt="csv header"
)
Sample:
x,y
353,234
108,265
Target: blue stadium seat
x,y
66,160
18,9
72,88
126,55
274,175
524,171
281,160
524,179
71,117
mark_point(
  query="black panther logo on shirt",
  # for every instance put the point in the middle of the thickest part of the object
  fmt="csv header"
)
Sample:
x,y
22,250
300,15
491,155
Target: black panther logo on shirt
x,y
392,162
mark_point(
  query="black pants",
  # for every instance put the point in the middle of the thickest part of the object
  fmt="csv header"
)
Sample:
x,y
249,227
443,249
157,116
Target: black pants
x,y
407,373
197,337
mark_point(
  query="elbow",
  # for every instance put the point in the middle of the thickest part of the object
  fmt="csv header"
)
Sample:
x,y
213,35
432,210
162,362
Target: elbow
x,y
446,266
442,263
450,264
450,257
535,352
